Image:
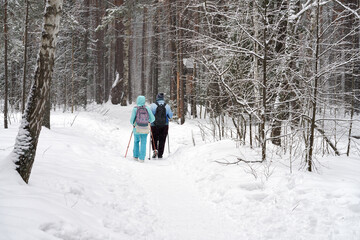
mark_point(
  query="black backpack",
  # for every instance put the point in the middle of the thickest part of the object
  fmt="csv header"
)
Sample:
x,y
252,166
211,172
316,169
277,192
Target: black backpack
x,y
160,115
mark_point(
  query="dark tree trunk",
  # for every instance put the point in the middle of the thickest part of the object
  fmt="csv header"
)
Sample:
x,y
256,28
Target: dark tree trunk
x,y
279,115
315,89
355,72
172,23
130,56
6,66
11,93
264,83
118,91
155,62
85,41
351,116
181,80
105,63
99,98
143,56
72,71
28,136
25,57
193,94
46,120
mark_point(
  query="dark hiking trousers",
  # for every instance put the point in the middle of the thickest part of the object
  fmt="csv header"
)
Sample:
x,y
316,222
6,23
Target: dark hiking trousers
x,y
159,133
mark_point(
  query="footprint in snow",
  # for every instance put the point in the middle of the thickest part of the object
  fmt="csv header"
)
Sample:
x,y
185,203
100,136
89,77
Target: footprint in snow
x,y
355,208
257,196
249,187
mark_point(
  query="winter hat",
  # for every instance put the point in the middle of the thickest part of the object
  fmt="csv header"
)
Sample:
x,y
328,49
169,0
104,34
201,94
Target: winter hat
x,y
160,96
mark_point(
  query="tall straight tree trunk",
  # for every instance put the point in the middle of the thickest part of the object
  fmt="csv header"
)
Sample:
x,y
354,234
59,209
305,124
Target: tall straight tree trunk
x,y
143,55
155,54
173,75
72,70
85,44
193,94
12,83
278,115
105,64
256,68
6,66
25,57
315,89
118,91
180,88
111,59
28,136
355,71
264,84
352,112
130,56
99,98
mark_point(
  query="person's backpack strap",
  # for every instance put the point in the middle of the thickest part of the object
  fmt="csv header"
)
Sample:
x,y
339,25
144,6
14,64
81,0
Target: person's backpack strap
x,y
135,115
157,104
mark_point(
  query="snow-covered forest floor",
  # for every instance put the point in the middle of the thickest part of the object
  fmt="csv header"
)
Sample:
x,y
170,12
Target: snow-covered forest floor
x,y
82,187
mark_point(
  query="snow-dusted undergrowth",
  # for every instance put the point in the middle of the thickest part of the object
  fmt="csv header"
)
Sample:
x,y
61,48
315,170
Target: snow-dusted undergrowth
x,y
82,187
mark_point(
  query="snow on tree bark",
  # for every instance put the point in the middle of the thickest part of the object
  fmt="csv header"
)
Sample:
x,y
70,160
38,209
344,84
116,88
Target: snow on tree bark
x,y
28,135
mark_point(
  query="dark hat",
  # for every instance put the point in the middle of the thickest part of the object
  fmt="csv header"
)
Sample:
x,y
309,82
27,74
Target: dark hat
x,y
160,96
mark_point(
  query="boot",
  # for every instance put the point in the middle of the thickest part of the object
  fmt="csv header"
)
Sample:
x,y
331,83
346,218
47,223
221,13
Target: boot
x,y
154,154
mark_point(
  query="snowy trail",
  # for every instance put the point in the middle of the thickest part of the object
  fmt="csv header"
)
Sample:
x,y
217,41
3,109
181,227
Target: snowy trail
x,y
181,212
155,197
82,187
184,213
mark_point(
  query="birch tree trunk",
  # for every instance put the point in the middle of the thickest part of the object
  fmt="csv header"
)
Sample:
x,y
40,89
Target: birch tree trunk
x,y
28,135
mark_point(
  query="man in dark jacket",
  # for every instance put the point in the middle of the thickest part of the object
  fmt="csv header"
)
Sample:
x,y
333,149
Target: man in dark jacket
x,y
160,126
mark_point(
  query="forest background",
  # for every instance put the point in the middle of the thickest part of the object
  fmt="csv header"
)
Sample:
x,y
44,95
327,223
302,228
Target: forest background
x,y
262,72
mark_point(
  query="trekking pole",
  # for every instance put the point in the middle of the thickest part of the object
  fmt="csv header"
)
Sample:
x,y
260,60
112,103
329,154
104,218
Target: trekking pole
x,y
152,139
150,142
168,137
149,147
129,143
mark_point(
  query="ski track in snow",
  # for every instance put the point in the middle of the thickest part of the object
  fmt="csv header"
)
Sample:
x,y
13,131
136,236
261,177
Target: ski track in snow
x,y
82,187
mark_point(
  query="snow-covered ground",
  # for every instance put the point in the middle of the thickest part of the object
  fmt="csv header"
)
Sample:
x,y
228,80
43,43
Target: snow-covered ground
x,y
82,187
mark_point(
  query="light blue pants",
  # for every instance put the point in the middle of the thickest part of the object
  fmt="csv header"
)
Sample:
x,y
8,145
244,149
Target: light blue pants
x,y
140,139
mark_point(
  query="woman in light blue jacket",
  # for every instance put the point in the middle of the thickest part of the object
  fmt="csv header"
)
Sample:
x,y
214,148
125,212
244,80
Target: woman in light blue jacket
x,y
140,138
